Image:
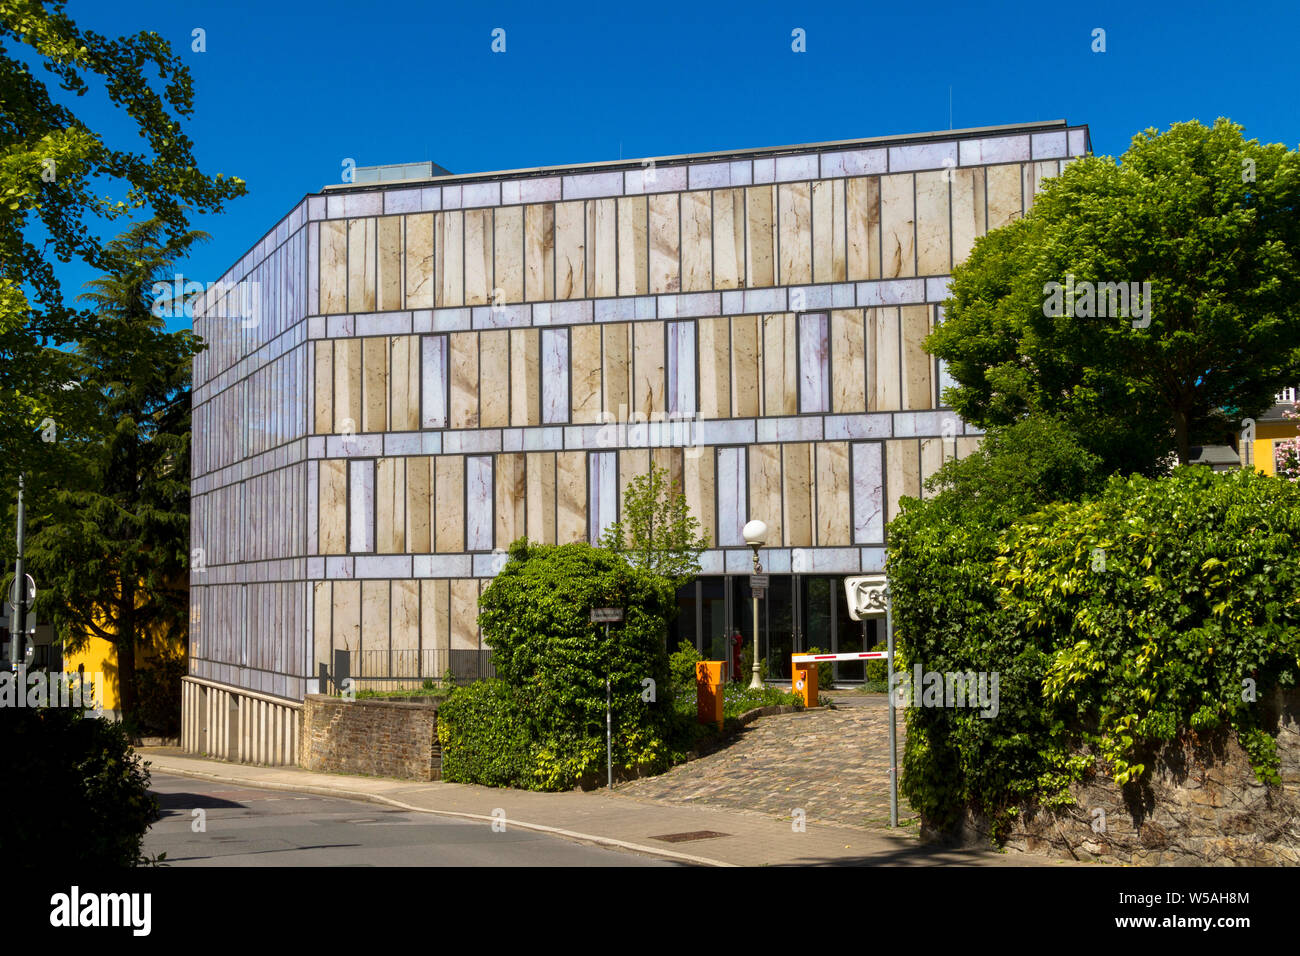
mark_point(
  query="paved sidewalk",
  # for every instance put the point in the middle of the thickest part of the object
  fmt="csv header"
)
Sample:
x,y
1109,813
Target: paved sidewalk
x,y
618,820
831,764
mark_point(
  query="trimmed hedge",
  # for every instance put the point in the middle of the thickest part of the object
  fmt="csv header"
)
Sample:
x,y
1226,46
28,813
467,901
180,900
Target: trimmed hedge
x,y
1157,607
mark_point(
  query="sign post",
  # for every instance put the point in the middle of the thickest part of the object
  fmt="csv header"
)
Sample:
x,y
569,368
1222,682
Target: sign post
x,y
607,616
868,597
21,593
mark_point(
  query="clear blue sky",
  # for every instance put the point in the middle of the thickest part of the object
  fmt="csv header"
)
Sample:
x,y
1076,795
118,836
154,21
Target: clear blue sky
x,y
287,88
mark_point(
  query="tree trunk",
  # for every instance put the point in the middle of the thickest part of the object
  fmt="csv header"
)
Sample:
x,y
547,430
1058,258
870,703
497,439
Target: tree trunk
x,y
125,647
1180,436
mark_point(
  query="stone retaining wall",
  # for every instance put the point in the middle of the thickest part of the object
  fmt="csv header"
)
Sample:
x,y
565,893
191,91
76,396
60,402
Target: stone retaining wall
x,y
1199,803
385,738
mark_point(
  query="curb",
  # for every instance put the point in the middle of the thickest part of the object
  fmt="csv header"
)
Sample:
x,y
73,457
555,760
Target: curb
x,y
523,825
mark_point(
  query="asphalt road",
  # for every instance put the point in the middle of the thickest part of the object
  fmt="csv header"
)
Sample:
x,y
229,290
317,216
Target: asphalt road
x,y
243,826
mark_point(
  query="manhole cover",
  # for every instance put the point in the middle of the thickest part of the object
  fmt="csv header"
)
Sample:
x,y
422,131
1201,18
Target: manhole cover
x,y
688,837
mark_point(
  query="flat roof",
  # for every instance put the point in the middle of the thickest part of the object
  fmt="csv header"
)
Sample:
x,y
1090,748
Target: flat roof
x,y
720,155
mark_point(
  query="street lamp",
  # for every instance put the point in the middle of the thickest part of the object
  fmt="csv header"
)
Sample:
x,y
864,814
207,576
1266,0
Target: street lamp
x,y
755,534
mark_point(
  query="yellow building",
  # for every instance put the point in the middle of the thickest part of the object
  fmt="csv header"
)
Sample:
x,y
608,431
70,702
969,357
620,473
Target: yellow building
x,y
98,656
1271,428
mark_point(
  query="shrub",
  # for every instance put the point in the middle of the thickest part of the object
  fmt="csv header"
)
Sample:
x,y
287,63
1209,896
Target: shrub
x,y
1114,623
554,663
483,736
73,785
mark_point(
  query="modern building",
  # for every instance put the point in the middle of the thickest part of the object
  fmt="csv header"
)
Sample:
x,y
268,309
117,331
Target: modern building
x,y
412,370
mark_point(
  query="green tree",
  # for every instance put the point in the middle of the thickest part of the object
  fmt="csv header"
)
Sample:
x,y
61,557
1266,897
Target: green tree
x,y
1210,221
657,532
59,181
111,546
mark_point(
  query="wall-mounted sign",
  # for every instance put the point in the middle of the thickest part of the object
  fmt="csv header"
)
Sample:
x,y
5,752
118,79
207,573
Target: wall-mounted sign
x,y
867,596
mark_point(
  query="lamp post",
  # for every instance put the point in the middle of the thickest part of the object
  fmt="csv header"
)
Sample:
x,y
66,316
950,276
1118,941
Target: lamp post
x,y
755,533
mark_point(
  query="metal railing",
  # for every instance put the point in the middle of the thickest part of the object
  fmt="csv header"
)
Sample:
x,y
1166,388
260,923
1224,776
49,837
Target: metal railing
x,y
410,669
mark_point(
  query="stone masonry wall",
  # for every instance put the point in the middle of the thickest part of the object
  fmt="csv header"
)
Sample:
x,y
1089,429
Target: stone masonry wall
x,y
1200,804
380,737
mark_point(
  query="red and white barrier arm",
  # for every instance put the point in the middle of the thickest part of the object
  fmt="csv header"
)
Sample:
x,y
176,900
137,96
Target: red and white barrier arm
x,y
865,656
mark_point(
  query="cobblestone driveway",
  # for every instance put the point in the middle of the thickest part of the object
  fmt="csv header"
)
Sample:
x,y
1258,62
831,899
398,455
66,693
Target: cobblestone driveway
x,y
832,764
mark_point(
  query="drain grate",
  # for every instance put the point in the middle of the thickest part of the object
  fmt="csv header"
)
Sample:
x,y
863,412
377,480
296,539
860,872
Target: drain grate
x,y
688,837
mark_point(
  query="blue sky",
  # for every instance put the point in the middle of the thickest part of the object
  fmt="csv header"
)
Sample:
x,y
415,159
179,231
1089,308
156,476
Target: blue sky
x,y
286,89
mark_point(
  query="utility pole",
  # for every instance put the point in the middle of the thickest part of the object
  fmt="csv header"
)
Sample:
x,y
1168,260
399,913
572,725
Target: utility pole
x,y
19,622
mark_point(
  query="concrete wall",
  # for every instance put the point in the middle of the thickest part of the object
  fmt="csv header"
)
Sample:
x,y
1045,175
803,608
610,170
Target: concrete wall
x,y
379,737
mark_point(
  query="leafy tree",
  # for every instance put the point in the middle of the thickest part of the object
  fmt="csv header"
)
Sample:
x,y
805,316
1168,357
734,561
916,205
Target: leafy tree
x,y
1017,469
657,532
59,181
111,548
1212,221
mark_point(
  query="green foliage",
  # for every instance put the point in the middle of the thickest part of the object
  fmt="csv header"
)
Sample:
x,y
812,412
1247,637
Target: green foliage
x,y
73,785
1208,218
681,667
1017,468
484,737
1115,624
657,532
62,181
552,663
737,698
110,543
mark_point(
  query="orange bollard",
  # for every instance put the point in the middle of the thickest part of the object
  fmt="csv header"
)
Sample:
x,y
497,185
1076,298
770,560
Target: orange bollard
x,y
708,690
803,681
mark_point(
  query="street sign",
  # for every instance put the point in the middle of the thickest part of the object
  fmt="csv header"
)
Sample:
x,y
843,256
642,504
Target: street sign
x,y
757,592
31,591
606,615
758,581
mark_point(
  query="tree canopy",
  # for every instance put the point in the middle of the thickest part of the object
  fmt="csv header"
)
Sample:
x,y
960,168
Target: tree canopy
x,y
110,543
1049,313
60,181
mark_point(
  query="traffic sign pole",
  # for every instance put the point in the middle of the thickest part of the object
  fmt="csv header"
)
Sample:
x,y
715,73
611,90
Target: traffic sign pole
x,y
19,622
893,713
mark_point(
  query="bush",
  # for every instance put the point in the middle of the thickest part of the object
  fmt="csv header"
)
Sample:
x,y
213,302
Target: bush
x,y
554,663
483,736
1115,624
73,785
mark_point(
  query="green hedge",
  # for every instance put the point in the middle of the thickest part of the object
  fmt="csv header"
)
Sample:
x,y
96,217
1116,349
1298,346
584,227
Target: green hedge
x,y
552,663
1114,624
483,736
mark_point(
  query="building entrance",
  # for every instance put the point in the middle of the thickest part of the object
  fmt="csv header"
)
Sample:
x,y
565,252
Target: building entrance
x,y
800,611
